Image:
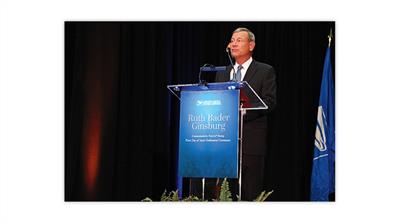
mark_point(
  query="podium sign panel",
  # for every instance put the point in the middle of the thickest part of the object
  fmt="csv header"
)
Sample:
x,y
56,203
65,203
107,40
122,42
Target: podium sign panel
x,y
209,128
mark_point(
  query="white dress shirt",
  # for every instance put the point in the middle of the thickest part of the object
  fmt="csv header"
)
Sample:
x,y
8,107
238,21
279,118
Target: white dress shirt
x,y
244,69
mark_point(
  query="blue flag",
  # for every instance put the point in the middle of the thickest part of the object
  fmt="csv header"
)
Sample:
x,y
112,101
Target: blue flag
x,y
323,173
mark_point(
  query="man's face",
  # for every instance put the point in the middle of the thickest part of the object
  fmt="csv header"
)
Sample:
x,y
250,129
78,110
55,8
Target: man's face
x,y
240,45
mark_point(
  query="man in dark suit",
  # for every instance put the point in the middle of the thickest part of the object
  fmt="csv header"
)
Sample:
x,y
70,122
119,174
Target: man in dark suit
x,y
262,78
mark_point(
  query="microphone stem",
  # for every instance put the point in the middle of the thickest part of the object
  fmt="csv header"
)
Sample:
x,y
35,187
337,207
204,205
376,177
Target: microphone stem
x,y
232,65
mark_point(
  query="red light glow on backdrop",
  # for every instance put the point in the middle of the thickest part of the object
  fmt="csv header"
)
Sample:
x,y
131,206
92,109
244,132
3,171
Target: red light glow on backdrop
x,y
92,134
100,70
91,149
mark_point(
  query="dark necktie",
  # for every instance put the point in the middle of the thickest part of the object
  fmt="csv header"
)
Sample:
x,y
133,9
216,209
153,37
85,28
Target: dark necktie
x,y
238,77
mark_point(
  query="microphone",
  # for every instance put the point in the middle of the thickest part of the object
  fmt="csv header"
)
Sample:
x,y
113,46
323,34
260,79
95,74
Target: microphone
x,y
231,62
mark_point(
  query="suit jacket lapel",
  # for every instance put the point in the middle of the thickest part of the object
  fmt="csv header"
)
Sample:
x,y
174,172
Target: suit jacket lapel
x,y
250,72
248,75
228,70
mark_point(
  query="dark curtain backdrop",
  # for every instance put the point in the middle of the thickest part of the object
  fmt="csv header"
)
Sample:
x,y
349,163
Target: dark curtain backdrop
x,y
121,122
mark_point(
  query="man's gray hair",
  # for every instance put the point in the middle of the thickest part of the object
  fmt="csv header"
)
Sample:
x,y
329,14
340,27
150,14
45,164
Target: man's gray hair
x,y
251,35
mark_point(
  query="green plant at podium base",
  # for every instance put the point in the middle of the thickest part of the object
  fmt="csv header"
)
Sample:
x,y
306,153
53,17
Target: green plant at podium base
x,y
225,195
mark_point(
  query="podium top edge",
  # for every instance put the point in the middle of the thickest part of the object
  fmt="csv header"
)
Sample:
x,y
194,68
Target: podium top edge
x,y
211,83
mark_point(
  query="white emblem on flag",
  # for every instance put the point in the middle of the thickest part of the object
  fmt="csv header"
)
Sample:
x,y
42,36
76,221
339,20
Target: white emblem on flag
x,y
320,141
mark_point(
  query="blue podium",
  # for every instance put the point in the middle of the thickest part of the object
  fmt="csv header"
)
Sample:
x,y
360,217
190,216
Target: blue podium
x,y
210,131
